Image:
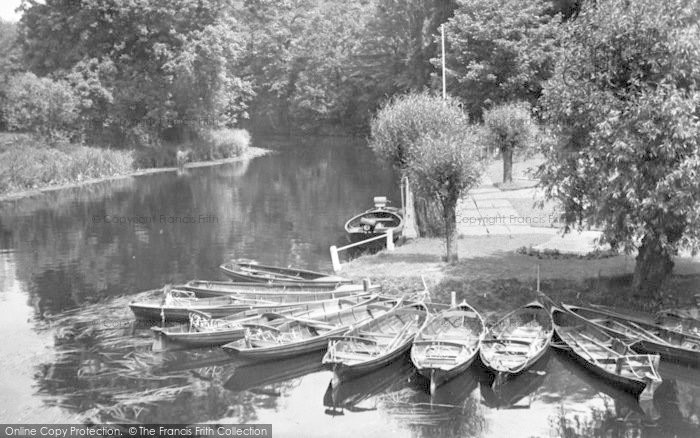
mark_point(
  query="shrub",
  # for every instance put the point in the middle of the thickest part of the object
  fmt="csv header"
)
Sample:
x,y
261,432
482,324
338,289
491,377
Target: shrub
x,y
406,119
41,106
225,143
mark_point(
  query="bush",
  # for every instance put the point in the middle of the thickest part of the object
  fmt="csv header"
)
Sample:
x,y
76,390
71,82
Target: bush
x,y
406,119
41,106
223,143
212,145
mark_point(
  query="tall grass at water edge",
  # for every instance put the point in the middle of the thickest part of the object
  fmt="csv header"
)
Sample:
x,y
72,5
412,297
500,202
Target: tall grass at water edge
x,y
27,163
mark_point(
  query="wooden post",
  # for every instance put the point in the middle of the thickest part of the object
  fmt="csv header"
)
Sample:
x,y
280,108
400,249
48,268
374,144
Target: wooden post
x,y
444,83
410,228
453,299
390,239
366,284
334,258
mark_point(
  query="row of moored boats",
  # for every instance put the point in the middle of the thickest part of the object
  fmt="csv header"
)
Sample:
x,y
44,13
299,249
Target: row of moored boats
x,y
271,313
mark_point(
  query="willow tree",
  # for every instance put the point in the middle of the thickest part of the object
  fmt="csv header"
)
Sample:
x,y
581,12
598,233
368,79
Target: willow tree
x,y
625,103
510,127
430,140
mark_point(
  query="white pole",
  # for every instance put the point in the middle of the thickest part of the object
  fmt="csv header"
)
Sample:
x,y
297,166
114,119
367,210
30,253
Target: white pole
x,y
390,239
453,299
334,258
444,83
538,278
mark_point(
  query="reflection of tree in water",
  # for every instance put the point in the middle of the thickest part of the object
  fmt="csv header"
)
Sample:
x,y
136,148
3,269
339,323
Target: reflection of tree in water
x,y
285,208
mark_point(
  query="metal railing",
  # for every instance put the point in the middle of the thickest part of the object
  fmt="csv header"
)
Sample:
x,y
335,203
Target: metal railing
x,y
335,259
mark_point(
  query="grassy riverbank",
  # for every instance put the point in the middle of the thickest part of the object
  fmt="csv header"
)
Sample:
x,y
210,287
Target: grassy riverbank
x,y
493,277
28,165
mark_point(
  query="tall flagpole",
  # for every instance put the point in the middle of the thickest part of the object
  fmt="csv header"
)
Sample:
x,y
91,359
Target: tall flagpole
x,y
444,83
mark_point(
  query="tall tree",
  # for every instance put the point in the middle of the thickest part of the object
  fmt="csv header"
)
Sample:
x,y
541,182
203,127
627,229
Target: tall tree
x,y
500,51
625,103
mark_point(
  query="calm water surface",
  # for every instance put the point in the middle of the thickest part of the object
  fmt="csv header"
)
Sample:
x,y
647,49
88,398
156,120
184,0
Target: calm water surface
x,y
70,351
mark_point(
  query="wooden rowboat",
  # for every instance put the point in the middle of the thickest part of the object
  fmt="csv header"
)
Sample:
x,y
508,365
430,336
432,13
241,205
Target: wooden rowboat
x,y
448,344
516,341
207,289
176,305
375,343
251,271
679,321
204,331
375,221
606,356
293,336
647,338
683,321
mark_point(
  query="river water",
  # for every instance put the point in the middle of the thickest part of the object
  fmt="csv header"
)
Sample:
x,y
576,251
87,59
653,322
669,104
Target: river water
x,y
71,260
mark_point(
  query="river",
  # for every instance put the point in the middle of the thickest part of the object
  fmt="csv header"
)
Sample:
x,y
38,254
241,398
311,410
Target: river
x,y
70,261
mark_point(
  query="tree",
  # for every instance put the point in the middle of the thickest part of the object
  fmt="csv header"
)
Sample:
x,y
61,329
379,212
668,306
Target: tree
x,y
41,106
510,127
445,167
429,140
153,64
500,51
625,105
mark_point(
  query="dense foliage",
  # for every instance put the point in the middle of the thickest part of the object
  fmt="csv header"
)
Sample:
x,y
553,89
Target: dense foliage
x,y
625,103
509,127
500,51
144,70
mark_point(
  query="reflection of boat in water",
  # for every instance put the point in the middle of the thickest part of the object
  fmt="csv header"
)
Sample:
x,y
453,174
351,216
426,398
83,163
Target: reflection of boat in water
x,y
678,397
452,410
625,403
347,395
519,389
185,360
254,375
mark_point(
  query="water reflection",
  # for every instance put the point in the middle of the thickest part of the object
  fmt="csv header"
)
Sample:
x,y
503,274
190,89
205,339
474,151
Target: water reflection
x,y
71,348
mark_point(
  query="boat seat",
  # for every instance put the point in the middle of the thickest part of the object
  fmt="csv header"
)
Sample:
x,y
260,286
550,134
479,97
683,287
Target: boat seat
x,y
368,221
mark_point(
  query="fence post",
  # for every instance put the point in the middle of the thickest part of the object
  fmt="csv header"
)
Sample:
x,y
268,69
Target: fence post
x,y
390,239
334,258
453,299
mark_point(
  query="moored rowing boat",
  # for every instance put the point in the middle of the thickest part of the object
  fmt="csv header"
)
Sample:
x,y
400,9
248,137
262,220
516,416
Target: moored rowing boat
x,y
516,341
448,344
293,336
251,271
375,343
176,305
203,330
206,289
606,356
646,337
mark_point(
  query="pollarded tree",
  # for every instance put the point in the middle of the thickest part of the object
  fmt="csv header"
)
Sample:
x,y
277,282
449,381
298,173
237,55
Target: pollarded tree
x,y
625,103
510,127
430,140
445,167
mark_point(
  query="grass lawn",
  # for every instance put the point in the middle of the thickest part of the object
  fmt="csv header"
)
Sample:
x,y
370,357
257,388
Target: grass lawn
x,y
491,276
